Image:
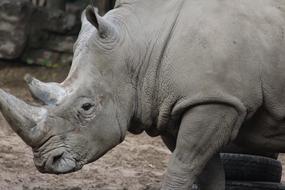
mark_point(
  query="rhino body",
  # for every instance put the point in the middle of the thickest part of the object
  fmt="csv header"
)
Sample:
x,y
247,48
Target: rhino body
x,y
199,73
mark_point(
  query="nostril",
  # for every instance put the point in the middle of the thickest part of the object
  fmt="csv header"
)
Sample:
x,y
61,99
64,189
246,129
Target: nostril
x,y
57,158
59,162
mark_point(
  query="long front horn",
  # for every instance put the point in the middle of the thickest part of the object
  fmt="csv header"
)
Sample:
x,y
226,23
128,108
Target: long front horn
x,y
25,120
48,93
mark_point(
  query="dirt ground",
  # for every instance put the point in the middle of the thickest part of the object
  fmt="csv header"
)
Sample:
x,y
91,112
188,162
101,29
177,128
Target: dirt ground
x,y
137,164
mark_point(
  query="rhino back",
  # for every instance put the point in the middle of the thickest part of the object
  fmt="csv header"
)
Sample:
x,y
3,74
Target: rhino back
x,y
220,50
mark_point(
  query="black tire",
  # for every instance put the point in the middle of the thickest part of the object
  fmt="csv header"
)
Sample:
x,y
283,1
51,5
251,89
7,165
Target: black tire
x,y
242,167
233,148
237,185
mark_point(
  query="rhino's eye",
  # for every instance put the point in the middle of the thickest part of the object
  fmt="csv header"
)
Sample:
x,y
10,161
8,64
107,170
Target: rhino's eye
x,y
87,106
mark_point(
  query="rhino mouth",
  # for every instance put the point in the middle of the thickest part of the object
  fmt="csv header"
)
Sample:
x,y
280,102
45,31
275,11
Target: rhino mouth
x,y
58,162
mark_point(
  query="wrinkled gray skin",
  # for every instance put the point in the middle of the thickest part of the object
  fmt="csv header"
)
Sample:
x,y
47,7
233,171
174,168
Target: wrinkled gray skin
x,y
199,73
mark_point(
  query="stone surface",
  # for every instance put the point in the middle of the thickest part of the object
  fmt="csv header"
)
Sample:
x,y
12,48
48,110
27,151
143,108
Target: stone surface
x,y
47,58
51,38
104,5
40,34
59,21
14,18
53,42
56,4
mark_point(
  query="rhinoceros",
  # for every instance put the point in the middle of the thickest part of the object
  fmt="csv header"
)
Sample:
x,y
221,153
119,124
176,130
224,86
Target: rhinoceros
x,y
198,73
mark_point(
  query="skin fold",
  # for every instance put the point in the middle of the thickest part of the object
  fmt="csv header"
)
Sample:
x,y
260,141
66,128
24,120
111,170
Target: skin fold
x,y
199,73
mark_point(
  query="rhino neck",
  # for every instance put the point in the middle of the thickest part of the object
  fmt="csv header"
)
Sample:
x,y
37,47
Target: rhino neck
x,y
149,33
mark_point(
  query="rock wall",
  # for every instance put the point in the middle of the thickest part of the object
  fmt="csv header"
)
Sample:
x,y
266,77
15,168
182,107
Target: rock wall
x,y
41,35
14,18
104,5
51,37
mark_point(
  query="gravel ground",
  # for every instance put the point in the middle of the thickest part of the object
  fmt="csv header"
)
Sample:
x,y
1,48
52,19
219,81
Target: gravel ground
x,y
136,164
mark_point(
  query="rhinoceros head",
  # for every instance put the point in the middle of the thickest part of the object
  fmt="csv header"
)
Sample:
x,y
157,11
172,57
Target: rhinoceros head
x,y
85,115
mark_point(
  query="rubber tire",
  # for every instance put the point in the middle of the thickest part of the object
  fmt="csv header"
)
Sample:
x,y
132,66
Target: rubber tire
x,y
237,185
233,148
242,167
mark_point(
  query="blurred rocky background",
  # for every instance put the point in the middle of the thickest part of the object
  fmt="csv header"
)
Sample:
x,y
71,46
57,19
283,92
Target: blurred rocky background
x,y
42,32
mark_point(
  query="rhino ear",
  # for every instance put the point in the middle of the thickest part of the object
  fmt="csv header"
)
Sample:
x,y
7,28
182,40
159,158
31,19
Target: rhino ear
x,y
92,16
104,27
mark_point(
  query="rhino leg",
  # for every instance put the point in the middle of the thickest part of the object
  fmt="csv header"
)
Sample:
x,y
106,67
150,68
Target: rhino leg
x,y
203,131
213,175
